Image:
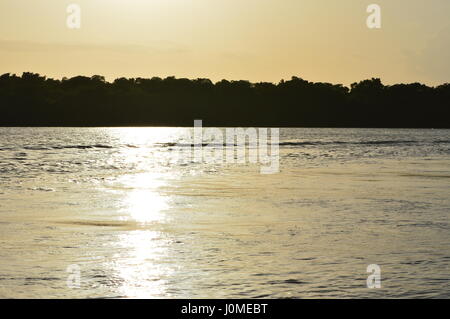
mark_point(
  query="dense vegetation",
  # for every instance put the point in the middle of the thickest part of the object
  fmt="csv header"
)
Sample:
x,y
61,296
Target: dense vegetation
x,y
34,100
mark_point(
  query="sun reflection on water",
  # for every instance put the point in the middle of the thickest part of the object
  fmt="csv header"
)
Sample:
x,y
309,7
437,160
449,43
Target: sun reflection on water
x,y
143,202
142,270
145,136
141,265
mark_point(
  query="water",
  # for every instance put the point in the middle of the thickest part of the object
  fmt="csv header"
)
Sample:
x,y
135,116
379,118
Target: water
x,y
136,225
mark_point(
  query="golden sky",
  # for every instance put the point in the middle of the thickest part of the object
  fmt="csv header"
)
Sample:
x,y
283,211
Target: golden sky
x,y
256,40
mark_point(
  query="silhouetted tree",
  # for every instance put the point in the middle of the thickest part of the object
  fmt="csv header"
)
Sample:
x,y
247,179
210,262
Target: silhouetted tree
x,y
34,100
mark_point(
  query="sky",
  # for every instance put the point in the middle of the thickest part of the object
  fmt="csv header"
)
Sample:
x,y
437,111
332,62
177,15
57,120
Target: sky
x,y
255,40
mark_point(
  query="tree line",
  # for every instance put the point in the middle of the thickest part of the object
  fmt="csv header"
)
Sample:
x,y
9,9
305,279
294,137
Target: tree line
x,y
34,100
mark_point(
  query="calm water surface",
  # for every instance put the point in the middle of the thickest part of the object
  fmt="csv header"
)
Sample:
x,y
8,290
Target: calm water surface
x,y
137,225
